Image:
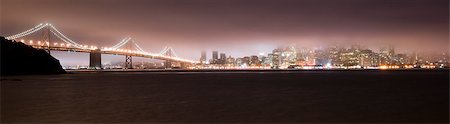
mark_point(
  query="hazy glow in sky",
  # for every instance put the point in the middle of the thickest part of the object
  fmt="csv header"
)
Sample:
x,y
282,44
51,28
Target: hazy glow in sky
x,y
237,27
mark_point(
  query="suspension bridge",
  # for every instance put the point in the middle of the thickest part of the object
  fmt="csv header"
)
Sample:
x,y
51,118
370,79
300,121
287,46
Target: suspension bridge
x,y
127,47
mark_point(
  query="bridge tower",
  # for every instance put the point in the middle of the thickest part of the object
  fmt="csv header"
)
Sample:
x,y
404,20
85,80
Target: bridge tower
x,y
128,58
128,62
46,37
168,52
168,63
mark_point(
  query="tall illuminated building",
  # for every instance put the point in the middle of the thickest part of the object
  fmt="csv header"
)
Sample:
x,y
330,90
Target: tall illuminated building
x,y
203,57
268,60
222,59
276,57
215,57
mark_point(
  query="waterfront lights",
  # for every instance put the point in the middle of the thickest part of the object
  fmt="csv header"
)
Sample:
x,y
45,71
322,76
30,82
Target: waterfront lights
x,y
328,66
31,41
383,67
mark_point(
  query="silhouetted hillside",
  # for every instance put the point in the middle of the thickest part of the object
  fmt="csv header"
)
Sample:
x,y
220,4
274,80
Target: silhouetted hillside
x,y
18,58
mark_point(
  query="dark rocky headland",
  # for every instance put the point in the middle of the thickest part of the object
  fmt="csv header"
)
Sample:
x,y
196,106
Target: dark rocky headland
x,y
19,59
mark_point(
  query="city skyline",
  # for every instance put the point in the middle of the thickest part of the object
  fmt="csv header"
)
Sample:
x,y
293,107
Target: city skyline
x,y
332,56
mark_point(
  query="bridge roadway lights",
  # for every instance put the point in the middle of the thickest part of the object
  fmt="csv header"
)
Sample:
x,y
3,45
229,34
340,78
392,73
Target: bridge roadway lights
x,y
95,59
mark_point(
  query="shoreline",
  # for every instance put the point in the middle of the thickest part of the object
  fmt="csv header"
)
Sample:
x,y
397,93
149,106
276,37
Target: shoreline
x,y
186,71
247,70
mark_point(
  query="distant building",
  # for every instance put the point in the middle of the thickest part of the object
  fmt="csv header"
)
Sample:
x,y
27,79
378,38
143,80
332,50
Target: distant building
x,y
321,57
254,61
268,60
231,61
367,58
349,58
239,61
215,57
246,61
277,57
203,57
222,59
276,60
289,55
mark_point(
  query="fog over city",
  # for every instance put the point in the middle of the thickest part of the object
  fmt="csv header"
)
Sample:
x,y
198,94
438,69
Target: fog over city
x,y
238,28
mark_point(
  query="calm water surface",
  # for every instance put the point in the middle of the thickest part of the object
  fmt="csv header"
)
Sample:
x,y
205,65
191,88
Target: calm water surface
x,y
296,96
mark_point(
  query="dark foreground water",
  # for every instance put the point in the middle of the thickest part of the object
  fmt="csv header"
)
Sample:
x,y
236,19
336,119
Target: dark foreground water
x,y
300,96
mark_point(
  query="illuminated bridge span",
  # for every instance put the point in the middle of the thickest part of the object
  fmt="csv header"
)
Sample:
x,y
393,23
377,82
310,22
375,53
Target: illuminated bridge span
x,y
167,54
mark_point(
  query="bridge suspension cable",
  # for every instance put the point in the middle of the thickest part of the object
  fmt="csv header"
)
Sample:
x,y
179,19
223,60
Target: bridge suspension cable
x,y
27,32
52,29
121,43
137,46
163,51
168,49
63,37
125,41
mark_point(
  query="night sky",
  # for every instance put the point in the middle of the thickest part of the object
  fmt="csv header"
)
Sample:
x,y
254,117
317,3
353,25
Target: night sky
x,y
236,27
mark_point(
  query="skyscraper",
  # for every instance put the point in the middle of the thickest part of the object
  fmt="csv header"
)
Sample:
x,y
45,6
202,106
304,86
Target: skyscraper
x,y
222,59
203,57
215,57
276,57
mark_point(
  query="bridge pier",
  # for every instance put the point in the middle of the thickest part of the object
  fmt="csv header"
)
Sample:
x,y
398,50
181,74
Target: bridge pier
x,y
95,59
167,64
128,62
